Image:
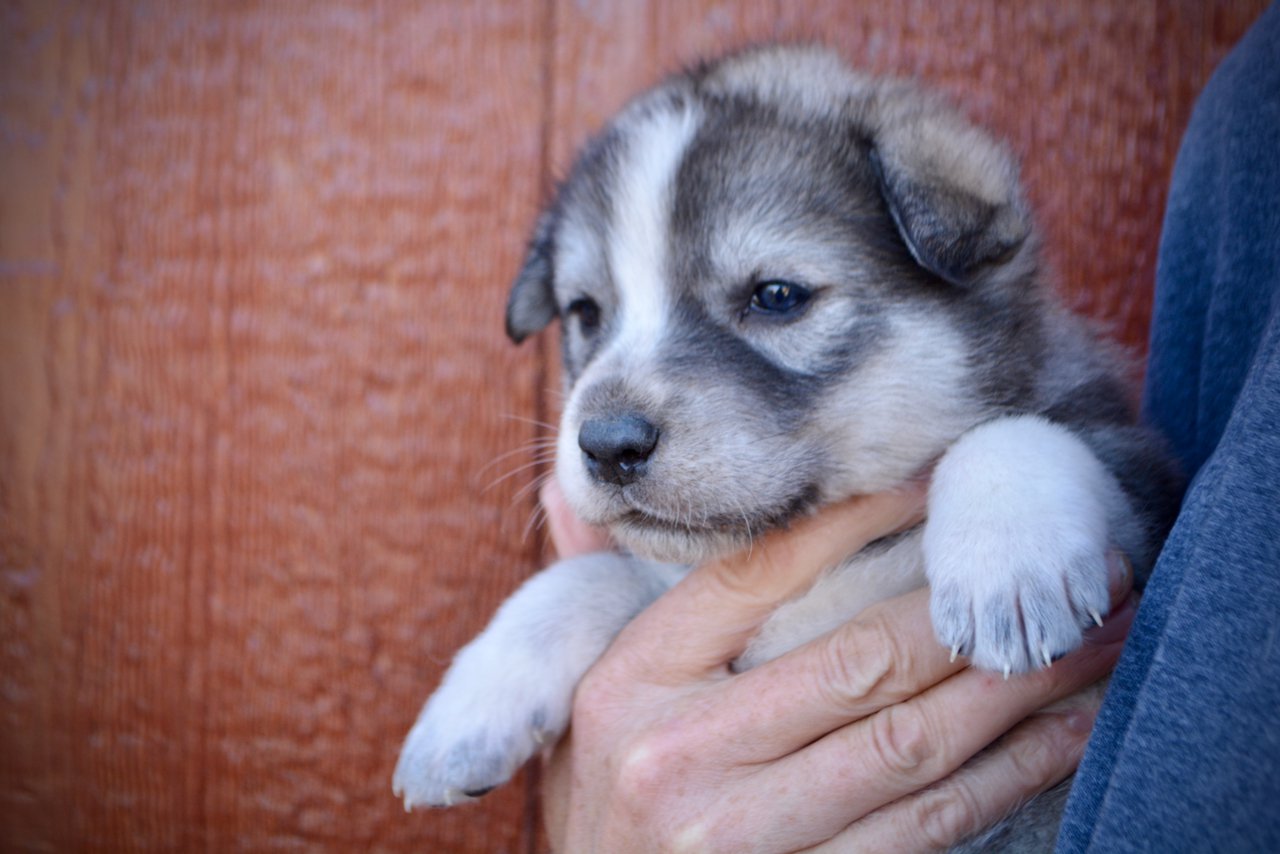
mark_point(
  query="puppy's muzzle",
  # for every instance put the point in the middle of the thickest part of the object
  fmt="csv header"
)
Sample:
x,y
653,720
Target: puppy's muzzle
x,y
617,449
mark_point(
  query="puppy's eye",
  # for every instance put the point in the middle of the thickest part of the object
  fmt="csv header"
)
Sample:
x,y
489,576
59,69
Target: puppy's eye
x,y
778,297
587,312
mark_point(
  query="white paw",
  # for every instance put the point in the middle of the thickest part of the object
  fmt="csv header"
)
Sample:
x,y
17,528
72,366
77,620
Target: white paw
x,y
508,693
1021,514
487,719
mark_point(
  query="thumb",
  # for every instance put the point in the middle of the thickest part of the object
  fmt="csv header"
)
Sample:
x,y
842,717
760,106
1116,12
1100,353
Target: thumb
x,y
570,536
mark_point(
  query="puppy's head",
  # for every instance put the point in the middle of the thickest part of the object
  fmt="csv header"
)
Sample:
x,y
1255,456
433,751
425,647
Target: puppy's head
x,y
780,284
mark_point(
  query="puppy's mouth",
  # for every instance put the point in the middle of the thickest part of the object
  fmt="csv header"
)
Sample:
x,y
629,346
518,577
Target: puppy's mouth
x,y
742,522
643,520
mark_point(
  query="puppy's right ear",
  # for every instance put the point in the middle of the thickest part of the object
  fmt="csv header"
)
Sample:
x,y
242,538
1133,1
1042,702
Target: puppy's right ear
x,y
532,303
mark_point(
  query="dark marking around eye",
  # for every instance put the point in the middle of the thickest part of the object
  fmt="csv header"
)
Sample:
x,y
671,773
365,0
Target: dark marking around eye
x,y
587,311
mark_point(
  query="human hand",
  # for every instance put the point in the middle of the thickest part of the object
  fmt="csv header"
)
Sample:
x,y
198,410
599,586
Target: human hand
x,y
570,536
859,740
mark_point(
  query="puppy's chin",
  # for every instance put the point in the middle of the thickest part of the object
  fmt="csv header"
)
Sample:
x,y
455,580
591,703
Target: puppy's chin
x,y
671,544
690,541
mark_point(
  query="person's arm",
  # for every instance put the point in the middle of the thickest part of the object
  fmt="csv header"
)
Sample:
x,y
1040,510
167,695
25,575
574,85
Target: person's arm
x,y
857,741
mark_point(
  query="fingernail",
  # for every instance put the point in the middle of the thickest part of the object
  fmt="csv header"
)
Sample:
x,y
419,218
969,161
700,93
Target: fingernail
x,y
1119,575
1115,626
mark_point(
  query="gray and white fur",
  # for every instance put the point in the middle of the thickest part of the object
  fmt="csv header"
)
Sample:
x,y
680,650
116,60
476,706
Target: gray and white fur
x,y
782,283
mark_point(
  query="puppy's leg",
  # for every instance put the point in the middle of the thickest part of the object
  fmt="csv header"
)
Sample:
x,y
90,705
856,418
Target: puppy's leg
x,y
1021,513
509,691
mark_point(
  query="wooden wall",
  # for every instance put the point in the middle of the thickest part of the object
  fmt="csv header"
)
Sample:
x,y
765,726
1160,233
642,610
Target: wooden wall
x,y
253,258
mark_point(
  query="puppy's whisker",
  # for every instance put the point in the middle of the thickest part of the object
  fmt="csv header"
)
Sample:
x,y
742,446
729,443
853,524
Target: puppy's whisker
x,y
557,396
532,464
746,522
537,517
537,446
530,455
532,487
526,420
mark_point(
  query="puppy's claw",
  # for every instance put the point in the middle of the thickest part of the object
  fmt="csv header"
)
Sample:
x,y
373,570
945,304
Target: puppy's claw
x,y
1007,670
1097,618
955,650
1044,653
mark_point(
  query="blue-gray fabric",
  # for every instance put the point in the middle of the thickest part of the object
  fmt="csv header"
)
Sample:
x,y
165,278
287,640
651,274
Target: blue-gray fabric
x,y
1185,755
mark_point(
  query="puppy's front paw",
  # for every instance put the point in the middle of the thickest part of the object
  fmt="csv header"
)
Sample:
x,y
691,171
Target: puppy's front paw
x,y
1015,543
1010,616
477,730
510,690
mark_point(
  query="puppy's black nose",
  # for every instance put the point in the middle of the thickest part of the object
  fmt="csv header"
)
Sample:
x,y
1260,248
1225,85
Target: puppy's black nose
x,y
617,449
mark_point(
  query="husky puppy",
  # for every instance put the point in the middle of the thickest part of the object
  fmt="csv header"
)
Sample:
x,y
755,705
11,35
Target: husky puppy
x,y
780,284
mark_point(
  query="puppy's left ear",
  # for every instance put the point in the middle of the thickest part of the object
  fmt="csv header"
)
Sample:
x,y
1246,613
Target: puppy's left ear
x,y
532,303
952,190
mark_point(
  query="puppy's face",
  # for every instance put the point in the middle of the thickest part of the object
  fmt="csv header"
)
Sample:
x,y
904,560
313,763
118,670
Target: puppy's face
x,y
750,326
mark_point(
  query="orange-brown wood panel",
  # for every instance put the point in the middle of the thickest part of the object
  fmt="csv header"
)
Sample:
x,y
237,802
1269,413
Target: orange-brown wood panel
x,y
253,258
254,261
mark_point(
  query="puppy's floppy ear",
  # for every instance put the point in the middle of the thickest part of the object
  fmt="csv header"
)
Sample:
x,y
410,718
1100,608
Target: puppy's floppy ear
x,y
952,190
532,303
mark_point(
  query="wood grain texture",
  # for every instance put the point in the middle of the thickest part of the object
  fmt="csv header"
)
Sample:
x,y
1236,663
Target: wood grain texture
x,y
253,258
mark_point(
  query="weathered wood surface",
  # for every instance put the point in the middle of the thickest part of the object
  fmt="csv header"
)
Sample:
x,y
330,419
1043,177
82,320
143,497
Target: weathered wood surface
x,y
253,258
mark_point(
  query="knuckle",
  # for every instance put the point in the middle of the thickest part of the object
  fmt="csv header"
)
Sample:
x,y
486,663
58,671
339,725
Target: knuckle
x,y
858,660
699,836
739,577
639,772
1038,761
734,585
649,767
777,552
900,741
948,815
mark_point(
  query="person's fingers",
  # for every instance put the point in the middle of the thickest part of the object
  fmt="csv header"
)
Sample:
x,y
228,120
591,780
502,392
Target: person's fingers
x,y
727,599
569,535
905,747
885,655
1038,753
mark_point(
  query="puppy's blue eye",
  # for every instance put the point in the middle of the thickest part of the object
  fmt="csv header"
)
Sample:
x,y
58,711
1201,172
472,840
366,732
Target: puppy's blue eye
x,y
778,297
587,311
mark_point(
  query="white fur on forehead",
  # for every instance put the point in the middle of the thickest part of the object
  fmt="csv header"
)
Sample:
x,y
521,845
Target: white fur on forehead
x,y
641,221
